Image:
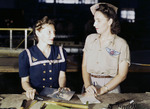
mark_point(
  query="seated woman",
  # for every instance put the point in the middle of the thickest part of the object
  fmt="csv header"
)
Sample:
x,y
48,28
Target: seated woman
x,y
44,64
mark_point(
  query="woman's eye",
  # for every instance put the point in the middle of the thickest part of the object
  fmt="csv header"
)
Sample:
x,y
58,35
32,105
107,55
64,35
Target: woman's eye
x,y
52,32
98,21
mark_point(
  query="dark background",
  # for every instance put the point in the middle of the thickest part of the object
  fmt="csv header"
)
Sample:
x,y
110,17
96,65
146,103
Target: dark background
x,y
76,20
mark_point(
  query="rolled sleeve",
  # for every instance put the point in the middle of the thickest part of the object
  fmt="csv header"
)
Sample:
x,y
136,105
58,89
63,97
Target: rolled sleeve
x,y
125,54
64,64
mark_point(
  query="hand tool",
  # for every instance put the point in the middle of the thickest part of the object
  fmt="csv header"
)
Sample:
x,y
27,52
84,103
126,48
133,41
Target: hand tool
x,y
23,104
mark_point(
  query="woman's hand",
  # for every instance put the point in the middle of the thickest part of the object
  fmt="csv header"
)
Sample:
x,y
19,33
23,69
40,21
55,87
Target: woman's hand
x,y
63,88
102,90
91,90
30,93
94,7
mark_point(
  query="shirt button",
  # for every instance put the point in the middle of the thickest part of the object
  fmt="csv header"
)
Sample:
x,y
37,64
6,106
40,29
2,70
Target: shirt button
x,y
50,86
50,71
44,64
43,79
43,86
50,78
44,71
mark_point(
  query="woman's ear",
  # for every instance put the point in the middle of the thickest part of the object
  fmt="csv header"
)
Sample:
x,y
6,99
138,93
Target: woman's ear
x,y
110,21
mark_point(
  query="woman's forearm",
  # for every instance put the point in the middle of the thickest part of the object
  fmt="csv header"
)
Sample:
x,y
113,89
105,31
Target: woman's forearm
x,y
86,77
62,79
111,85
26,85
121,76
30,92
85,74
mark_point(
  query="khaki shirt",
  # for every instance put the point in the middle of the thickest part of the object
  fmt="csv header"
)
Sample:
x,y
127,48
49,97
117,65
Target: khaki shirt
x,y
105,60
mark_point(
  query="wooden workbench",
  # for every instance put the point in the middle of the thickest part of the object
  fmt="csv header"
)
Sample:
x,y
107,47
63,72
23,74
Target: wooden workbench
x,y
141,99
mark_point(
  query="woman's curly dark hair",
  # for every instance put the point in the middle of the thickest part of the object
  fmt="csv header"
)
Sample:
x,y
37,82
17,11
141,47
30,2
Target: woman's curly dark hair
x,y
110,13
39,24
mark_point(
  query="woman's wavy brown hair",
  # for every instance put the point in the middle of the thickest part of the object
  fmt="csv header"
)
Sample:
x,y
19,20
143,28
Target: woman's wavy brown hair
x,y
110,13
39,24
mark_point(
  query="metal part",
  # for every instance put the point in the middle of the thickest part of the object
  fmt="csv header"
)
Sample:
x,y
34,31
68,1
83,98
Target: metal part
x,y
43,106
123,104
36,97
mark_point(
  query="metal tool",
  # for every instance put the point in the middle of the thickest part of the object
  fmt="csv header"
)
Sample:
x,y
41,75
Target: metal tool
x,y
43,106
39,98
24,102
123,104
80,106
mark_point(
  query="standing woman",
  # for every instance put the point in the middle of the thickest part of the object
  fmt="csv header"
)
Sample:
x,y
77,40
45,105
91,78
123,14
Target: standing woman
x,y
44,64
106,56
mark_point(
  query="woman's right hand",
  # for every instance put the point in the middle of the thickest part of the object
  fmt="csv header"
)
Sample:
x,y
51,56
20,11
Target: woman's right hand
x,y
91,90
30,93
94,7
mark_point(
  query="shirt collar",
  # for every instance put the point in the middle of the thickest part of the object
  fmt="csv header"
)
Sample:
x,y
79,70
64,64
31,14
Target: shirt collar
x,y
110,40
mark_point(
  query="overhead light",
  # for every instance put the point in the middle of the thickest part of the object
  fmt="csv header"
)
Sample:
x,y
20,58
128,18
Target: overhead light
x,y
128,14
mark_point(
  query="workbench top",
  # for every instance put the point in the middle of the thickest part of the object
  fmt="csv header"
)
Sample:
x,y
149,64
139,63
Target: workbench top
x,y
141,99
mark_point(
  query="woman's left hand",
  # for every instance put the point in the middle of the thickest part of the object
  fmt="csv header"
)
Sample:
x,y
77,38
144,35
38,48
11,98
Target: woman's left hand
x,y
91,90
64,88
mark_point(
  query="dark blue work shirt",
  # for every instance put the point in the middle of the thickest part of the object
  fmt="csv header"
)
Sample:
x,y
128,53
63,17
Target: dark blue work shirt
x,y
43,72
